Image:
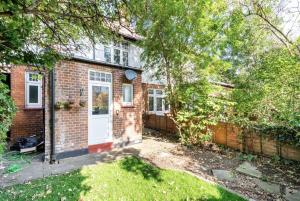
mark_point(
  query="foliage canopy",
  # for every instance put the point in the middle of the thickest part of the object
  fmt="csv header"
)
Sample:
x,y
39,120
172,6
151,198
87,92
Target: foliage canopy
x,y
194,44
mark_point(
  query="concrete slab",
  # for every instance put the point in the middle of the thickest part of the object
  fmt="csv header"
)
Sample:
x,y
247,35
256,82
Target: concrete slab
x,y
293,195
224,175
268,186
248,169
33,171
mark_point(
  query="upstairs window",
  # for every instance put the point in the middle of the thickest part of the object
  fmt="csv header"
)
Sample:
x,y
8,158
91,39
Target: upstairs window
x,y
127,94
33,90
117,56
107,54
125,58
157,102
125,48
117,53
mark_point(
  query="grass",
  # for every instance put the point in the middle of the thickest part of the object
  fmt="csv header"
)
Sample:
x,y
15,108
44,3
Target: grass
x,y
127,179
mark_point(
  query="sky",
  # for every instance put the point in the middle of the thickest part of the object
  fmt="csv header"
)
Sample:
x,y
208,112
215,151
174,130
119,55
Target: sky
x,y
289,10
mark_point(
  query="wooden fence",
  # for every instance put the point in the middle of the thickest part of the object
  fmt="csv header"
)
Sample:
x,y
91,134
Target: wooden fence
x,y
228,135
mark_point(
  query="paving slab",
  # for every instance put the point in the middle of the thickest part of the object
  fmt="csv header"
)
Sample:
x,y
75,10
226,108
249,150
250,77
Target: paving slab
x,y
268,186
249,169
224,175
292,195
34,171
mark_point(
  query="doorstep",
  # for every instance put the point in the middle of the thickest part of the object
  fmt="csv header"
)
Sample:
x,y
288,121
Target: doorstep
x,y
98,148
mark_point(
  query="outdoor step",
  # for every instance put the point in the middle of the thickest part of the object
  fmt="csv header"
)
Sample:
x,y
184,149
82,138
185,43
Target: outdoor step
x,y
292,195
248,169
224,175
268,186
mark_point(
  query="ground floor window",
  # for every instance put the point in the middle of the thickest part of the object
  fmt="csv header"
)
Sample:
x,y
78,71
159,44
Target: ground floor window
x,y
157,102
127,94
33,90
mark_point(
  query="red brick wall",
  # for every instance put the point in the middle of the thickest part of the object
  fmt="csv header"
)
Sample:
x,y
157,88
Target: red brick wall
x,y
72,125
27,121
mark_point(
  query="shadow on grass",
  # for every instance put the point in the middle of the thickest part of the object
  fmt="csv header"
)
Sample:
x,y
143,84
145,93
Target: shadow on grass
x,y
137,166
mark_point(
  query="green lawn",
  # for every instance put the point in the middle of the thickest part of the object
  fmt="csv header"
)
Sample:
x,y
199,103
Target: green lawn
x,y
127,179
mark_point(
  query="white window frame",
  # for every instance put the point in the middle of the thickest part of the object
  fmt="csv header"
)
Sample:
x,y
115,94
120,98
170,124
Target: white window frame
x,y
155,95
108,48
100,74
152,96
127,103
121,48
28,83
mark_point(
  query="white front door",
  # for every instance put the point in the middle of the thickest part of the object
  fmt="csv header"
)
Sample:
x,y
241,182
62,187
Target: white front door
x,y
100,109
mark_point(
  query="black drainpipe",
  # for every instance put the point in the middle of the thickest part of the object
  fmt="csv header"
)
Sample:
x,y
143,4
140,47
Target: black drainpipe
x,y
52,109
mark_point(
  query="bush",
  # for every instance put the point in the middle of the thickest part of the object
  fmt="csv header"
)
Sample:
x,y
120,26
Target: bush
x,y
7,112
199,107
267,96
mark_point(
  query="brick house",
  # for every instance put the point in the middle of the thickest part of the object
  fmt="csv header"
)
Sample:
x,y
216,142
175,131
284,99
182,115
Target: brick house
x,y
88,103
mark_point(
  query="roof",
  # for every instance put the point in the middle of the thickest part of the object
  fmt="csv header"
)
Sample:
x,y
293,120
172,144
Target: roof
x,y
129,33
124,29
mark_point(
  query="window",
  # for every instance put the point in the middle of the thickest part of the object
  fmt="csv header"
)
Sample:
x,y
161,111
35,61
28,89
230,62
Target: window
x,y
97,76
107,54
157,102
117,56
125,46
151,103
125,58
100,100
127,94
117,53
158,92
166,104
151,100
125,49
33,86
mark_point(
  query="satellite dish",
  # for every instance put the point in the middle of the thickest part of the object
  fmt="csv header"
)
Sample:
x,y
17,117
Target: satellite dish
x,y
130,74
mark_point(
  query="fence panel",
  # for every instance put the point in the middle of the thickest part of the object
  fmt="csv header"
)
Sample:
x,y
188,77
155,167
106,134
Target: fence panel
x,y
228,135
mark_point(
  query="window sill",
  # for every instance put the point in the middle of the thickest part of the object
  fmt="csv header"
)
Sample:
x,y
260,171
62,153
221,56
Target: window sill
x,y
128,106
159,113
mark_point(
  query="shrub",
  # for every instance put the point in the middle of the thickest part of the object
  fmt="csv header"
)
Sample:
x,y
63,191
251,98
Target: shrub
x,y
7,112
199,107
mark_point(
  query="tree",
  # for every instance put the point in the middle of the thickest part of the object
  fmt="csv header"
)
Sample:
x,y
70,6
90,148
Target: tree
x,y
35,32
267,96
182,43
271,15
267,89
190,44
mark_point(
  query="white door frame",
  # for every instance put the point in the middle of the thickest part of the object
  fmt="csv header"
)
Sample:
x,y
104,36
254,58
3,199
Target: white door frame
x,y
110,110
